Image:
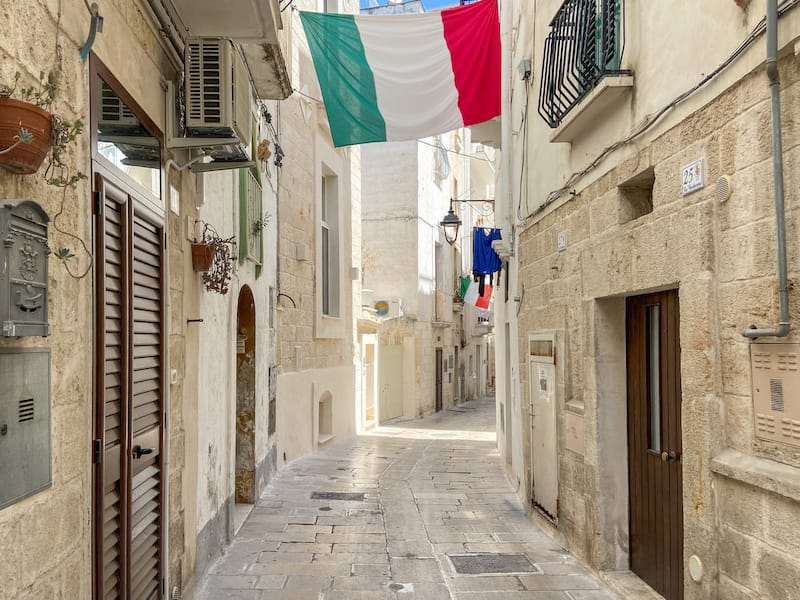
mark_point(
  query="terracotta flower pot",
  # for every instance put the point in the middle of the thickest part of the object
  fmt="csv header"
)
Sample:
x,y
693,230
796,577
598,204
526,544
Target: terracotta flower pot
x,y
202,256
25,158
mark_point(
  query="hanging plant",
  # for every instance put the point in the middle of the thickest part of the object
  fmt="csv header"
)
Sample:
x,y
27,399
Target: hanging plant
x,y
215,257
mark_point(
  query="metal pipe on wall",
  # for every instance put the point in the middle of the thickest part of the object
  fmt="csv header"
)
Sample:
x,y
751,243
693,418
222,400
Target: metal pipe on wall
x,y
783,327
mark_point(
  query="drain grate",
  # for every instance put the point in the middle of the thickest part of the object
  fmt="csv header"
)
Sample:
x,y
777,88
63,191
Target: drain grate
x,y
480,564
350,496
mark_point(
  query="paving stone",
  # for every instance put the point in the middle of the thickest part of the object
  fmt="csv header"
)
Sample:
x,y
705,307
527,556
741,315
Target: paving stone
x,y
270,582
416,569
360,583
559,582
432,487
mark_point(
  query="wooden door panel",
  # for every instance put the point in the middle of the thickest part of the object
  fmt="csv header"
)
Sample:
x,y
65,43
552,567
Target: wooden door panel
x,y
654,436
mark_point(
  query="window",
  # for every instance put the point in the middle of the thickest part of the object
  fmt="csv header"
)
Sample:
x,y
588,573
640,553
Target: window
x,y
584,45
329,245
255,224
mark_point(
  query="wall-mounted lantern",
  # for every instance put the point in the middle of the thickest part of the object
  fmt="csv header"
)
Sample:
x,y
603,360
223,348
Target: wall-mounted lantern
x,y
451,223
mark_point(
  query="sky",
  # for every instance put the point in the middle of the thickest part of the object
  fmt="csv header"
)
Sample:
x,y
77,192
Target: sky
x,y
428,4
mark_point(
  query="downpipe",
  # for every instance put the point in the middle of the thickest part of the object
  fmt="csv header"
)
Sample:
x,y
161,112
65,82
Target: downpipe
x,y
783,327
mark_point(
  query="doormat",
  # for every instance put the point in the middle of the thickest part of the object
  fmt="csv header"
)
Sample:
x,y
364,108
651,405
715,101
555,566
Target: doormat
x,y
350,496
481,564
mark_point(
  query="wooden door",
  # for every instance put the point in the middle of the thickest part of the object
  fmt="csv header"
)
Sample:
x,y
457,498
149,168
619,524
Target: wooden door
x,y
439,379
654,442
129,394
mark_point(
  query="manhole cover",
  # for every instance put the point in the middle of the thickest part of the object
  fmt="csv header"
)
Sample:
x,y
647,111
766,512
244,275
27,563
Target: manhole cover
x,y
478,564
351,496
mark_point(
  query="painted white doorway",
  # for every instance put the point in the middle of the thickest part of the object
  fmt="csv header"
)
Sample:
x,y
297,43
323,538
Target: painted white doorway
x,y
390,382
544,434
369,381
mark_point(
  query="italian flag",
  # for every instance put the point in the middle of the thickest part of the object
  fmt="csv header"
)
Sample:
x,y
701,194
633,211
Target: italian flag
x,y
407,76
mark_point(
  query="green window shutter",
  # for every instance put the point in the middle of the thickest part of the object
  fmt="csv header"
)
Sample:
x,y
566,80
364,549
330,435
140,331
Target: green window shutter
x,y
243,224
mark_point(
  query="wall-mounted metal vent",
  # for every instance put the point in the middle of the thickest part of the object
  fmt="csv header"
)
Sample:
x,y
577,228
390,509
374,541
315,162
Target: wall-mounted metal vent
x,y
776,394
26,410
723,189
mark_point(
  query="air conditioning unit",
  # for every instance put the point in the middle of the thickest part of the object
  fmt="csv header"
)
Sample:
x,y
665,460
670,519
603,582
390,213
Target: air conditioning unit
x,y
115,116
217,97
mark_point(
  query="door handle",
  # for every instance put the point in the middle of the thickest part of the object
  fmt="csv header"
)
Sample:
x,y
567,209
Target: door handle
x,y
669,456
138,451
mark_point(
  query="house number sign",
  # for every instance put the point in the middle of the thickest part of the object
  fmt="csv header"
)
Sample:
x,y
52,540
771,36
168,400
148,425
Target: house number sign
x,y
692,177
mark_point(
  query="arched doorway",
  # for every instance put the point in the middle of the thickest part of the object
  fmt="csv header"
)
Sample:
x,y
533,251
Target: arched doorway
x,y
246,398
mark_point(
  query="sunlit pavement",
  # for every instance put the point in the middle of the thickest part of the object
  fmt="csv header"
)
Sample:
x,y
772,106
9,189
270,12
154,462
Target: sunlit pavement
x,y
438,519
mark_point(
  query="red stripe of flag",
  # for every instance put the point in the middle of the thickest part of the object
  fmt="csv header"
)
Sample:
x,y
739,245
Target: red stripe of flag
x,y
472,34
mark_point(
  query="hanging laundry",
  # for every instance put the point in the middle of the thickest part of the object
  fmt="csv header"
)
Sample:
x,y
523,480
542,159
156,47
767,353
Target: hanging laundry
x,y
484,259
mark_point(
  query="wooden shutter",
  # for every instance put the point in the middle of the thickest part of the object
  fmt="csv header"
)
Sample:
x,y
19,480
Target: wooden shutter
x,y
111,307
129,390
146,489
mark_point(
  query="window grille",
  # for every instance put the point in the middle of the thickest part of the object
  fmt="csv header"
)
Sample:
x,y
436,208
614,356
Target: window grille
x,y
585,44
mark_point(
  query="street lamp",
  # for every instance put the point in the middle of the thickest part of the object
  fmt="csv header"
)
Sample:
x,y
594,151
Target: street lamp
x,y
451,223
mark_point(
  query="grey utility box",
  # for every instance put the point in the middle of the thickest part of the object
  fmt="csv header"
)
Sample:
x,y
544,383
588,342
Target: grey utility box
x,y
23,268
24,423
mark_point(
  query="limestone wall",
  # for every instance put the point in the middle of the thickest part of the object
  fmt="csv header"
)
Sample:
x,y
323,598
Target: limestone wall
x,y
47,537
721,259
316,353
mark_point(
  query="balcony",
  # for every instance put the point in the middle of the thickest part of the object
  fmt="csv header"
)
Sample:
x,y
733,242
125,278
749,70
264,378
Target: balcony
x,y
581,62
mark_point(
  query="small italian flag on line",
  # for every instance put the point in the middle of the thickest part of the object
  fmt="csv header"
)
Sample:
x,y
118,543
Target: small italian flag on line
x,y
408,76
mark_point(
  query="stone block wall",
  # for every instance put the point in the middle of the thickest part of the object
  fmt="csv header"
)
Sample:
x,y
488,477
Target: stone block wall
x,y
721,258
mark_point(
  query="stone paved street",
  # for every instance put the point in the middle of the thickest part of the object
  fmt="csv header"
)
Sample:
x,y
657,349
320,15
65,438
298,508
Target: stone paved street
x,y
438,520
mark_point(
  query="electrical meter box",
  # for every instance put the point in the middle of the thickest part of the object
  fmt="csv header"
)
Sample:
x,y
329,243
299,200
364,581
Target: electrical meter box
x,y
776,382
23,269
24,423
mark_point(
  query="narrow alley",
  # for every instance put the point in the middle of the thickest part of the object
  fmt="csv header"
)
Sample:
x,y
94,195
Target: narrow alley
x,y
413,509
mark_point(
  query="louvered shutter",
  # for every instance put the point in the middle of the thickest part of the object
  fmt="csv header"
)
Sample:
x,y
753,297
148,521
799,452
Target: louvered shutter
x,y
129,398
147,402
111,272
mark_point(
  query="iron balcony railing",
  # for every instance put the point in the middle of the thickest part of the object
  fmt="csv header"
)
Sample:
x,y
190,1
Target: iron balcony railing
x,y
585,44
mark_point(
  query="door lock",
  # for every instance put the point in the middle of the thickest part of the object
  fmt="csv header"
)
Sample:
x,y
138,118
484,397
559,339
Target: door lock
x,y
669,456
138,451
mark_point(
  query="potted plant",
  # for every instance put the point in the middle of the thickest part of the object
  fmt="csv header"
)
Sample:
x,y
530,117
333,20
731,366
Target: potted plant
x,y
214,257
203,255
29,131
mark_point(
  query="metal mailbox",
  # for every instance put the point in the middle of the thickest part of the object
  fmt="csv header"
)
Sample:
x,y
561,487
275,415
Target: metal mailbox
x,y
24,423
23,269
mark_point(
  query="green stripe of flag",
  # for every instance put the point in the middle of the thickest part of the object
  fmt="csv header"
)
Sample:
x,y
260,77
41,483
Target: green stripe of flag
x,y
345,78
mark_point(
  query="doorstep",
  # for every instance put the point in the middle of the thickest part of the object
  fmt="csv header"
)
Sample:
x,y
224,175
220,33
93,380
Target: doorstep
x,y
628,586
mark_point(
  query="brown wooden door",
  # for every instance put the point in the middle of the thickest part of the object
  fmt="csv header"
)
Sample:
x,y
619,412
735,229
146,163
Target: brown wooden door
x,y
129,393
654,442
439,379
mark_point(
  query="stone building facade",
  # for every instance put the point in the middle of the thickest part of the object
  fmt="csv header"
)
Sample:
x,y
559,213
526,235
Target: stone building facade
x,y
319,195
620,238
224,405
